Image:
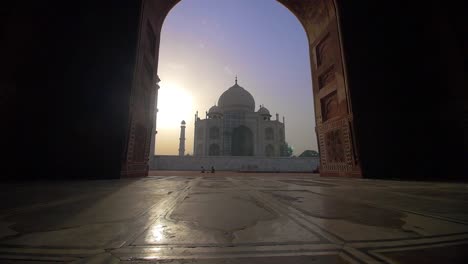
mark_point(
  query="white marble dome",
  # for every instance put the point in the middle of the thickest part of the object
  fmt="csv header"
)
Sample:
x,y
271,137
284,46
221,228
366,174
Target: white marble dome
x,y
236,98
215,110
263,111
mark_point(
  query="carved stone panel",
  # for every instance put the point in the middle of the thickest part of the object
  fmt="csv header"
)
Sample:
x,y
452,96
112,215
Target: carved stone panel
x,y
327,77
330,107
324,51
334,146
333,114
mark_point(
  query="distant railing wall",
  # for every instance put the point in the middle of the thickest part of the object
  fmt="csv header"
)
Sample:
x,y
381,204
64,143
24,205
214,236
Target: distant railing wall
x,y
235,163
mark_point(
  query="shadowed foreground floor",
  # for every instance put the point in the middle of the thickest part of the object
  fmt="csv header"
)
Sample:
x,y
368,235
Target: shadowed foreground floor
x,y
234,218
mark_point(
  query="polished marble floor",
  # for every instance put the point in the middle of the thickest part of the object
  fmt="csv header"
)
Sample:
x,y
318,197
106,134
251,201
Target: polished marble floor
x,y
234,218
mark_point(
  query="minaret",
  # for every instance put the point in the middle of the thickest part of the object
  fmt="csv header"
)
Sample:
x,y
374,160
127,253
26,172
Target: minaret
x,y
182,139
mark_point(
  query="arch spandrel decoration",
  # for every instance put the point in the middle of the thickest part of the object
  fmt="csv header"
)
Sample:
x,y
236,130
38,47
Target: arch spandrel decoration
x,y
333,112
320,21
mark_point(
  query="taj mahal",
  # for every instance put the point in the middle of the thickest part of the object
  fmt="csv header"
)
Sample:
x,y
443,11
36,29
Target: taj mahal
x,y
234,128
234,136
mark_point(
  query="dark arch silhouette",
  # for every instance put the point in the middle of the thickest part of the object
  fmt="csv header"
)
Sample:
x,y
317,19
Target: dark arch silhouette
x,y
214,133
242,142
269,133
269,150
214,150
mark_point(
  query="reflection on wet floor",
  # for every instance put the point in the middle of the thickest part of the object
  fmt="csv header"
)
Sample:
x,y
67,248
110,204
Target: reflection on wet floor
x,y
251,218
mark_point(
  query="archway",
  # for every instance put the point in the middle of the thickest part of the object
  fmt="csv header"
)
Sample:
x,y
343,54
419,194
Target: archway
x,y
242,142
269,150
214,150
320,19
269,134
214,133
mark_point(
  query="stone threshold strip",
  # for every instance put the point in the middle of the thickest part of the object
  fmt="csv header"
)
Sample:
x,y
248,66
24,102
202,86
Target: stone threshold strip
x,y
146,253
376,247
151,253
46,254
378,253
352,252
364,252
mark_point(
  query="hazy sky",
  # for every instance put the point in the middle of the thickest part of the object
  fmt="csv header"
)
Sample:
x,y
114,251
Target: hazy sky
x,y
205,43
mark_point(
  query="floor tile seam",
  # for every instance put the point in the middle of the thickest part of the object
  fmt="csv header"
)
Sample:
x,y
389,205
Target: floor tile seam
x,y
347,242
394,247
252,251
344,240
281,210
424,197
382,258
350,258
132,250
229,245
359,255
416,247
444,218
298,218
449,236
379,253
143,257
167,216
285,210
192,187
393,208
172,202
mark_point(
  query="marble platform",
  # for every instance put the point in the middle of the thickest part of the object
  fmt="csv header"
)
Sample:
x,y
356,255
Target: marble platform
x,y
234,218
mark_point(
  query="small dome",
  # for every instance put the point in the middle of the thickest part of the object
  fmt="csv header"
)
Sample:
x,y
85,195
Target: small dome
x,y
263,111
215,110
237,98
183,122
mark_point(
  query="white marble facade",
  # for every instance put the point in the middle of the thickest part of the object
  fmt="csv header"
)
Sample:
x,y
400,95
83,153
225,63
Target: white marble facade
x,y
234,128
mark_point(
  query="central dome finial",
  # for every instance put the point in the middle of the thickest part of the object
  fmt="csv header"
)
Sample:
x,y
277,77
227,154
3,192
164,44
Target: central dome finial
x,y
236,98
